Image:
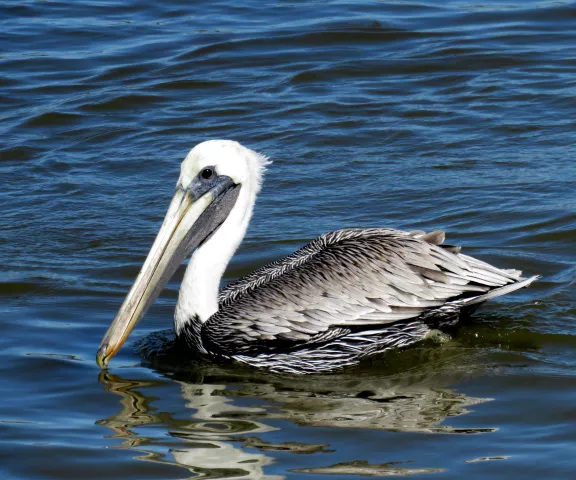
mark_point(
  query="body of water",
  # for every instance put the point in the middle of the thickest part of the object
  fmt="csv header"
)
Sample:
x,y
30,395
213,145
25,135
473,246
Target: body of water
x,y
425,115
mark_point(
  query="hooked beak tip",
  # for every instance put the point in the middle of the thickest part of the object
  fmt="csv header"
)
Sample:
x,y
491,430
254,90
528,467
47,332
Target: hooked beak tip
x,y
101,357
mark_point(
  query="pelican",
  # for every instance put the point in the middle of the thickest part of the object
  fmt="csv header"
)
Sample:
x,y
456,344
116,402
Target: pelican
x,y
346,295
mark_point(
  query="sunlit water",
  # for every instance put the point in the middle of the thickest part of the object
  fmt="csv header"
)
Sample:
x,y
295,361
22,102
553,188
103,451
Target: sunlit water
x,y
428,115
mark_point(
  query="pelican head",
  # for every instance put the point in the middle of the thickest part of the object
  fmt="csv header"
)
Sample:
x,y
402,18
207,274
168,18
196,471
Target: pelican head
x,y
216,190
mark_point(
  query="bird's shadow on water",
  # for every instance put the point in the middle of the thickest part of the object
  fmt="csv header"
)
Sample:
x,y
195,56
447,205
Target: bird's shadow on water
x,y
219,420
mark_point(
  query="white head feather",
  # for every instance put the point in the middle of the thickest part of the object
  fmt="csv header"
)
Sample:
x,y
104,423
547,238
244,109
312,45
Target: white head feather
x,y
242,165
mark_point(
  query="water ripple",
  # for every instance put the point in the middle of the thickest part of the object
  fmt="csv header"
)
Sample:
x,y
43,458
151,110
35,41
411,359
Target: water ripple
x,y
415,115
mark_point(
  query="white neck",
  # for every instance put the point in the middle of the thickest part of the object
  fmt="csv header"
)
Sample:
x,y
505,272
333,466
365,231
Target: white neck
x,y
198,295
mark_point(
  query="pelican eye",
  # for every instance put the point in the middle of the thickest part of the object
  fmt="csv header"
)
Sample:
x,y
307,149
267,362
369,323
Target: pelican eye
x,y
207,173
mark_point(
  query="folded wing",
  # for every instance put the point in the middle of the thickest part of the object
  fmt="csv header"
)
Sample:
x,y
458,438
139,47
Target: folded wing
x,y
343,282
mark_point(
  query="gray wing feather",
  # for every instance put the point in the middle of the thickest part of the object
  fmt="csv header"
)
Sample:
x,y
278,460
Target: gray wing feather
x,y
348,279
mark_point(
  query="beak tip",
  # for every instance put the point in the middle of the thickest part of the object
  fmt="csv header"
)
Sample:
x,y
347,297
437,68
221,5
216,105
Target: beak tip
x,y
101,357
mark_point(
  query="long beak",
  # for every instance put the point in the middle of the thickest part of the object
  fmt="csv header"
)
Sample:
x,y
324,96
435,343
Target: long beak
x,y
187,224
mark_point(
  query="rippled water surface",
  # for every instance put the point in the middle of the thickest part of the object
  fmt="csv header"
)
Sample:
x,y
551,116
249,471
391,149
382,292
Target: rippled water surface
x,y
427,115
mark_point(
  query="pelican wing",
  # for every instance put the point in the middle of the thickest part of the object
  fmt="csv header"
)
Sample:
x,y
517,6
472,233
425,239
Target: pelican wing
x,y
341,282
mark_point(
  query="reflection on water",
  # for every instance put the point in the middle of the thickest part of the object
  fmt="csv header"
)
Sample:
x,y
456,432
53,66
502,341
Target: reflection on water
x,y
230,421
365,469
203,444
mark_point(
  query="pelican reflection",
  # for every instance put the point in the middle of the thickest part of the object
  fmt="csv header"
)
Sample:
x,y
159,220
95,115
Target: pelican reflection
x,y
229,428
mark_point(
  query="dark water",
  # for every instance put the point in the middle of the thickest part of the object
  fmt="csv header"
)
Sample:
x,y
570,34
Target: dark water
x,y
452,115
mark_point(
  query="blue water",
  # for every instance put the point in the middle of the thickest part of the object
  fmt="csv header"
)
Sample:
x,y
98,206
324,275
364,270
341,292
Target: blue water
x,y
410,115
